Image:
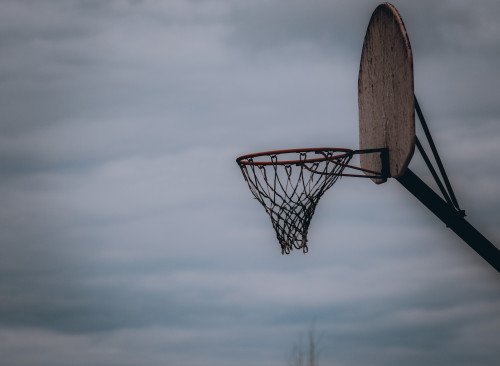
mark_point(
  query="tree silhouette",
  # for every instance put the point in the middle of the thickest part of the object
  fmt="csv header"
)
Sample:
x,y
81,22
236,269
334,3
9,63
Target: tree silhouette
x,y
307,355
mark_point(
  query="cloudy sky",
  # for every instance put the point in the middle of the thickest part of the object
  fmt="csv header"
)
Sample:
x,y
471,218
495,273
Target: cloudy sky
x,y
127,233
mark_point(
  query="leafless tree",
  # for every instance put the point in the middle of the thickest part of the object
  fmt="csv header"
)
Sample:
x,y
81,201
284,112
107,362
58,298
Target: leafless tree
x,y
306,355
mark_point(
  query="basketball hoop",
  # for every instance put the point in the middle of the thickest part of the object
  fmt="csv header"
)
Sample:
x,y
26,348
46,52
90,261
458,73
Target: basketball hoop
x,y
289,184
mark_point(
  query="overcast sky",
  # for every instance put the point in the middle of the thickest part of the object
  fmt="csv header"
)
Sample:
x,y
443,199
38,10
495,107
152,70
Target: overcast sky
x,y
129,237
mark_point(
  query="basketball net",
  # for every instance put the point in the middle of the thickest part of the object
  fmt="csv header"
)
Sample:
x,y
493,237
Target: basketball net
x,y
291,190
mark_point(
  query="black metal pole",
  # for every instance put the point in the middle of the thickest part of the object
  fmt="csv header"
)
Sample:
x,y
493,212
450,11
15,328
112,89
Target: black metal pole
x,y
435,153
451,217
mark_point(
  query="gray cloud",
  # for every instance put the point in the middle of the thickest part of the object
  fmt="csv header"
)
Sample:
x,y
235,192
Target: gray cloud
x,y
128,236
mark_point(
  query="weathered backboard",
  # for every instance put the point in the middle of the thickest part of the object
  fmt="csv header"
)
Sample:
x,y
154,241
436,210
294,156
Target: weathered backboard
x,y
385,93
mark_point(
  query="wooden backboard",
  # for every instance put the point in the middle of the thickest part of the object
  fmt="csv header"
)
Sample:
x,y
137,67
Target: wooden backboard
x,y
386,98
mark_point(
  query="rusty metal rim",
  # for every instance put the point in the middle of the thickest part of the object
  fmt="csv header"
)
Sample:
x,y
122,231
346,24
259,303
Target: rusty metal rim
x,y
338,153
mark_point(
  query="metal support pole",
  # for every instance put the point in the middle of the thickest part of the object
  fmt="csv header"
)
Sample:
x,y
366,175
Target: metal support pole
x,y
451,217
435,153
